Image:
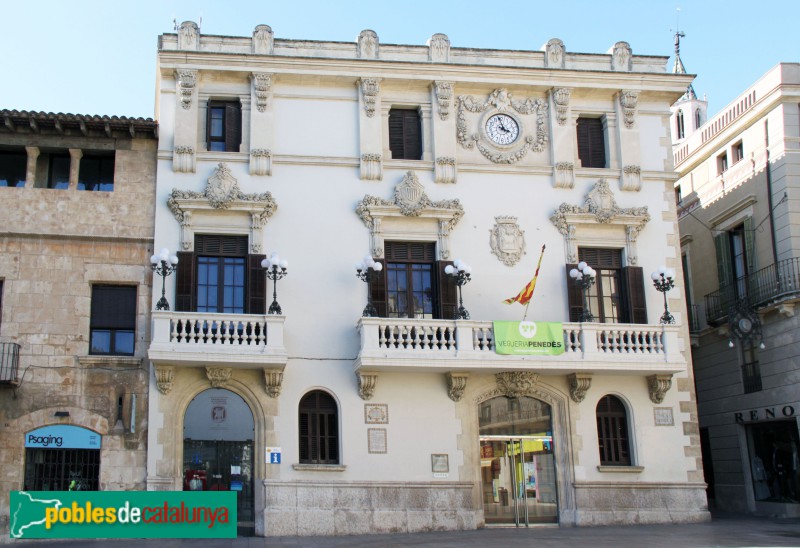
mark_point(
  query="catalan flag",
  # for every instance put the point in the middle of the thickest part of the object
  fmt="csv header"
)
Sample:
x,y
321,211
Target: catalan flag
x,y
525,295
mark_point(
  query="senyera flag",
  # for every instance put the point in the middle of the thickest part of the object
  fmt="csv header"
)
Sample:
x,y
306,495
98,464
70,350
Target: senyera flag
x,y
524,296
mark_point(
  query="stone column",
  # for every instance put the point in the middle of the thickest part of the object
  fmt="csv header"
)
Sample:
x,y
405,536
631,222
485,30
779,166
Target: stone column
x,y
30,171
443,132
563,142
370,128
75,155
627,135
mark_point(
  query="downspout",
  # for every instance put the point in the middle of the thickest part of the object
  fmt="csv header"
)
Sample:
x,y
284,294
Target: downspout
x,y
769,199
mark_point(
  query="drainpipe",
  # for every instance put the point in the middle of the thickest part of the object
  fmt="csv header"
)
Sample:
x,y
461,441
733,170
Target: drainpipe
x,y
769,200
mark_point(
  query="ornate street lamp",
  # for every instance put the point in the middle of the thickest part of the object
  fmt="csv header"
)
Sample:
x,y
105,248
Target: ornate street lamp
x,y
664,280
163,264
460,273
584,277
366,271
276,270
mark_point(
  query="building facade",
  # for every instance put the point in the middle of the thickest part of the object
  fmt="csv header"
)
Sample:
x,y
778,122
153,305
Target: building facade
x,y
77,229
737,200
335,406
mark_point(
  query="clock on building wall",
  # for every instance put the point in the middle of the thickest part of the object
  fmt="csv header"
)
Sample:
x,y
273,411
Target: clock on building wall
x,y
502,129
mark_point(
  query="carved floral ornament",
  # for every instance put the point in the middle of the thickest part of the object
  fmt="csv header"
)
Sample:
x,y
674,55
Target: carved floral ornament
x,y
439,48
370,88
409,200
262,86
368,44
501,100
263,40
628,100
444,96
186,79
513,384
507,240
554,53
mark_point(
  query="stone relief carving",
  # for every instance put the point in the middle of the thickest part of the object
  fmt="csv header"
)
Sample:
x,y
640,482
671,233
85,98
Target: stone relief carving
x,y
456,384
260,161
500,100
445,170
554,53
561,99
514,384
183,159
409,200
273,379
218,376
263,40
439,48
368,44
262,86
507,240
579,384
631,178
628,100
600,207
188,35
370,88
658,386
165,375
186,83
366,384
621,57
444,95
564,175
371,167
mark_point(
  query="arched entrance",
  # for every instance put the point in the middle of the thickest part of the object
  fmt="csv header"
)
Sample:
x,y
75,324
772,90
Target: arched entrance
x,y
218,434
518,472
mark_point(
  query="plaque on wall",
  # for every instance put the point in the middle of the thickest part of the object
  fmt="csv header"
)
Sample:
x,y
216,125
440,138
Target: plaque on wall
x,y
663,416
376,413
440,463
376,440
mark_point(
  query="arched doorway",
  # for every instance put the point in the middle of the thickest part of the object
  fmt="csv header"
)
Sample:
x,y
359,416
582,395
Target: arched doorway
x,y
218,434
518,472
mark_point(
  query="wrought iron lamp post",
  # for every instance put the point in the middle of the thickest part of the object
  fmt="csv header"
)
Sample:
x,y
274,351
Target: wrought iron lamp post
x,y
584,277
276,270
664,280
366,271
460,272
163,265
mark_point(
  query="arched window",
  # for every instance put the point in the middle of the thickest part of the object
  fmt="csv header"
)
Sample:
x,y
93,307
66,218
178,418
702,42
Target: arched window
x,y
698,121
680,134
612,432
319,429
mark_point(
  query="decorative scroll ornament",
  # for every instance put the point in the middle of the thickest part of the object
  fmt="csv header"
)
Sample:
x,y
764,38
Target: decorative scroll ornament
x,y
183,159
263,40
631,178
165,375
628,100
500,100
554,54
368,44
513,384
561,99
456,384
445,170
370,88
564,175
507,240
262,85
186,83
371,167
658,386
366,384
218,376
439,48
444,94
621,57
187,35
579,384
273,379
260,161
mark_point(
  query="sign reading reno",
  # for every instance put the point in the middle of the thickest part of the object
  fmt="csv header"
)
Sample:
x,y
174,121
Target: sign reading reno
x,y
529,338
122,514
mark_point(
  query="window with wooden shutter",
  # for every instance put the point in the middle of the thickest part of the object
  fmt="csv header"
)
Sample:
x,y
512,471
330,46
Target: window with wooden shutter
x,y
405,134
318,428
591,142
224,126
448,292
612,432
113,320
411,280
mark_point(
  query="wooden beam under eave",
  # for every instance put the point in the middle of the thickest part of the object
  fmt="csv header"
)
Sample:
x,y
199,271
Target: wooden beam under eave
x,y
83,128
34,125
59,127
10,124
107,127
132,130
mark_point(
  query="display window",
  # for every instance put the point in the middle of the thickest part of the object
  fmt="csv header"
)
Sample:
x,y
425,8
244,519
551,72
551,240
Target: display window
x,y
775,461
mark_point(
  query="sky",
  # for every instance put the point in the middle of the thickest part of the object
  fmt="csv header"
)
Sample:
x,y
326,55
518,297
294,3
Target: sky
x,y
99,57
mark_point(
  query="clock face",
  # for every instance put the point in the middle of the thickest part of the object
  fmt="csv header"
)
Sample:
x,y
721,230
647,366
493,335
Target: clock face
x,y
745,325
502,129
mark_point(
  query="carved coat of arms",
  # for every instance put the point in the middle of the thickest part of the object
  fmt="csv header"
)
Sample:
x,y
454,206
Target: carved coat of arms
x,y
507,240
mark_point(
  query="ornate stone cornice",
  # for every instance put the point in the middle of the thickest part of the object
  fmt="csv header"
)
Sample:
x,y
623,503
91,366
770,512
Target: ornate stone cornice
x,y
444,96
628,100
514,384
579,384
218,376
187,79
439,48
368,45
366,384
456,384
561,99
165,375
273,379
411,200
370,88
262,86
263,40
507,240
657,387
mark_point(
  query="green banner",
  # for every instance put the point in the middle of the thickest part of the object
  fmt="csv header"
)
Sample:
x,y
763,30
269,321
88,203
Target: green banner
x,y
122,514
528,338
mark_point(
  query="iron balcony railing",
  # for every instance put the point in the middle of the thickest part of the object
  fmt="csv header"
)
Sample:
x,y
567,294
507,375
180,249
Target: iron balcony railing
x,y
694,318
772,284
9,363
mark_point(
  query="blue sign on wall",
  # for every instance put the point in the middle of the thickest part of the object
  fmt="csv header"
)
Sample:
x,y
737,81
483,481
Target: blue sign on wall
x,y
63,436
